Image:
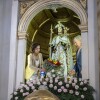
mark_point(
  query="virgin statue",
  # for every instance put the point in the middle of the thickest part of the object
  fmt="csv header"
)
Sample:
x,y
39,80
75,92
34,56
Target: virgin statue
x,y
61,49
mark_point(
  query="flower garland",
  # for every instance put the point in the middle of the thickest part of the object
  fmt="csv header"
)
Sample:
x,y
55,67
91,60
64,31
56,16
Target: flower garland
x,y
73,89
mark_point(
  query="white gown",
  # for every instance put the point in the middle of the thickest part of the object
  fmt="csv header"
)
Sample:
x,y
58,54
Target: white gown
x,y
63,53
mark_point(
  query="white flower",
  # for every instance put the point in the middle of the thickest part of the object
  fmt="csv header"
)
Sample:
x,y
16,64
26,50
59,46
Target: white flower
x,y
70,82
21,90
48,74
51,85
53,75
24,94
47,79
34,82
44,83
60,83
75,80
65,81
59,72
16,98
40,79
32,87
85,81
22,85
62,87
15,93
84,88
52,70
56,80
59,90
28,82
38,83
76,87
76,93
81,83
73,84
55,87
27,88
71,91
57,77
80,79
35,90
67,85
82,96
64,90
51,81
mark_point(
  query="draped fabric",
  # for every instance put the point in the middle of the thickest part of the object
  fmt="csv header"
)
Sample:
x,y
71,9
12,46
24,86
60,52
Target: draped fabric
x,y
62,51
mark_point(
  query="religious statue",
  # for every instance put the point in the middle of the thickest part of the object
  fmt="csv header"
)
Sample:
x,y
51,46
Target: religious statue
x,y
61,49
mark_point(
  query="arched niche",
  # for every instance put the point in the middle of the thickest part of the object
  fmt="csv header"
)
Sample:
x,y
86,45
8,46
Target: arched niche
x,y
32,12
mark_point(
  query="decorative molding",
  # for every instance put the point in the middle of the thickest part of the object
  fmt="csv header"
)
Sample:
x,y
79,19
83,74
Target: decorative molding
x,y
24,5
83,3
83,28
43,4
22,35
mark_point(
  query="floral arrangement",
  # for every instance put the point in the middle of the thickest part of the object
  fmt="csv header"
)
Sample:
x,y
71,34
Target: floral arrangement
x,y
73,89
50,64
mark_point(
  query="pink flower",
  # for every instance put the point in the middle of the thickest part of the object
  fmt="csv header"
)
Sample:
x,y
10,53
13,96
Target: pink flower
x,y
47,79
73,84
30,84
62,87
64,90
56,80
59,90
27,93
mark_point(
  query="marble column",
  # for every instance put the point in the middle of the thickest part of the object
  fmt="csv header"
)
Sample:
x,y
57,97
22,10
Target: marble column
x,y
93,47
84,36
21,58
13,49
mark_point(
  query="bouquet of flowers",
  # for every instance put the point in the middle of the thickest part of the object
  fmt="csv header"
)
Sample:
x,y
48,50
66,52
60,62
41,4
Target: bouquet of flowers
x,y
50,64
73,89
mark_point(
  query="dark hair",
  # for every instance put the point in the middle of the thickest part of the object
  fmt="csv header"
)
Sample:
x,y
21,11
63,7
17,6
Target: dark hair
x,y
34,45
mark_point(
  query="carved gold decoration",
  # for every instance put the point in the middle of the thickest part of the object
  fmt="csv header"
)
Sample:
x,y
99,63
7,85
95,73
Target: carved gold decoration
x,y
41,95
